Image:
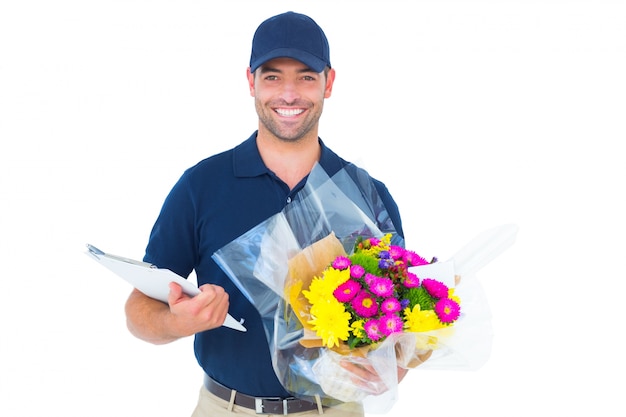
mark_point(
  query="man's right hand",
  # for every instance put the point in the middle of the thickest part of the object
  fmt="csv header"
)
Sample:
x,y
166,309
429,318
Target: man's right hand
x,y
156,322
204,311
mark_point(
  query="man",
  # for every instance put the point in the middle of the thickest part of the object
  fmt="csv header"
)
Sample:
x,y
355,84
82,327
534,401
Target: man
x,y
224,196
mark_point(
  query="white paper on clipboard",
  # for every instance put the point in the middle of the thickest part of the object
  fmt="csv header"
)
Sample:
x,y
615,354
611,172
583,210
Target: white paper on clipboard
x,y
150,280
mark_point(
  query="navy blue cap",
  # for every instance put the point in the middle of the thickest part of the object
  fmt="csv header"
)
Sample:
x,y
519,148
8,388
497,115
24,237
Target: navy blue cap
x,y
290,35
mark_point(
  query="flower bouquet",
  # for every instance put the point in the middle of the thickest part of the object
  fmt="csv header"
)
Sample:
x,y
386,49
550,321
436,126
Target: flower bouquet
x,y
371,308
333,284
363,298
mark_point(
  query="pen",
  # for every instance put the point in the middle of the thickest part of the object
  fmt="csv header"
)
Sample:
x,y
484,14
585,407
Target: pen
x,y
94,250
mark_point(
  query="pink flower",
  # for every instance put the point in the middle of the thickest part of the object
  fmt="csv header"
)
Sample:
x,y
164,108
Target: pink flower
x,y
382,287
369,278
411,280
372,330
390,305
396,252
389,324
356,271
341,262
365,304
347,291
374,241
413,259
435,288
447,310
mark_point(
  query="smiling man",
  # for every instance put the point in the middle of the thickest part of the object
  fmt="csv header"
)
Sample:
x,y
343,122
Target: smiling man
x,y
289,98
225,195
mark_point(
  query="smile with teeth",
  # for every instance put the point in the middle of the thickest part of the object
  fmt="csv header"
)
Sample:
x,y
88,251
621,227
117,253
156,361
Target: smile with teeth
x,y
289,112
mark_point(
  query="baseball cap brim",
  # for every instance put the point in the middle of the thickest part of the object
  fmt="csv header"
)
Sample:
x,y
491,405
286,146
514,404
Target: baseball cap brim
x,y
315,63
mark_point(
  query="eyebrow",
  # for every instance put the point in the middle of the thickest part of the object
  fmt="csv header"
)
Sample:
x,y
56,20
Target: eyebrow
x,y
265,69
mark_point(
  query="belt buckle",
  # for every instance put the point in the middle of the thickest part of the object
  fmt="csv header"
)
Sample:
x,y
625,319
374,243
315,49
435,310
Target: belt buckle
x,y
259,405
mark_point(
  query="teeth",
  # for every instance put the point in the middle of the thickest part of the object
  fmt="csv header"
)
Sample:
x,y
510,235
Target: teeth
x,y
289,112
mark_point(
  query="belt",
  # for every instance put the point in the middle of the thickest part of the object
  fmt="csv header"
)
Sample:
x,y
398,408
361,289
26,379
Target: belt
x,y
262,405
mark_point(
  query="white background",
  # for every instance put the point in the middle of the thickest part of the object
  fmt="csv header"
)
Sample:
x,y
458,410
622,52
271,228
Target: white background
x,y
474,113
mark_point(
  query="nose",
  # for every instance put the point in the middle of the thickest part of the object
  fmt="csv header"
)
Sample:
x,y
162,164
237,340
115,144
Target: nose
x,y
289,92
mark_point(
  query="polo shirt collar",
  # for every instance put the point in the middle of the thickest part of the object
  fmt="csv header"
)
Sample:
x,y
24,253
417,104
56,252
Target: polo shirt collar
x,y
247,160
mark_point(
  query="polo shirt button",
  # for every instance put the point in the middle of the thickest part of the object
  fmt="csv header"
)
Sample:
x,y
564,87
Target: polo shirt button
x,y
288,200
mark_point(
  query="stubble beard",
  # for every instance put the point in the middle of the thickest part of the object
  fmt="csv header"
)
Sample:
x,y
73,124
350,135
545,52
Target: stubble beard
x,y
283,132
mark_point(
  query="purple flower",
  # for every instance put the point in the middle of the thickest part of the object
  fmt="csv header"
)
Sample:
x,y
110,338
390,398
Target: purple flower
x,y
385,263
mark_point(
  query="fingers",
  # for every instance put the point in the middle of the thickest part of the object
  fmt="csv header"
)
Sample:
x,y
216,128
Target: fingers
x,y
176,293
365,377
402,373
362,371
204,311
215,306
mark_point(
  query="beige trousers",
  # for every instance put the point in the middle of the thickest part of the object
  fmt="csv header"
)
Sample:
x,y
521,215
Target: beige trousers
x,y
210,405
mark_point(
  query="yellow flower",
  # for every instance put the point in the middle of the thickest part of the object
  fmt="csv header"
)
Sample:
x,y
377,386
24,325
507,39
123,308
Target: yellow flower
x,y
418,320
452,296
425,342
330,321
357,329
321,289
373,251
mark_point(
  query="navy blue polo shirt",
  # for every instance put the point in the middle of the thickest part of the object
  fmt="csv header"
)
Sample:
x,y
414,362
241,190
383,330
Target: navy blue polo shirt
x,y
212,204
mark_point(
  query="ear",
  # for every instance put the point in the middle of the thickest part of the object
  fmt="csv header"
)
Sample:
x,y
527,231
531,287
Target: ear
x,y
250,76
330,80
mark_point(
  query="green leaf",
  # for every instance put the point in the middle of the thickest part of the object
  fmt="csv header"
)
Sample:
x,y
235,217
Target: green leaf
x,y
420,296
369,263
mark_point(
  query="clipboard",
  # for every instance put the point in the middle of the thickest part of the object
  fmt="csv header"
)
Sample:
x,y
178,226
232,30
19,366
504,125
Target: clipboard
x,y
150,280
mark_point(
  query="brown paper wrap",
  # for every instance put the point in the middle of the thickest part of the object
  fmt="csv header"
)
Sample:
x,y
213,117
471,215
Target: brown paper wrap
x,y
303,267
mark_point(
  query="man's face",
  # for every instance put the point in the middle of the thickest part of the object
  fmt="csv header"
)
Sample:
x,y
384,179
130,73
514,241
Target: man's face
x,y
289,97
